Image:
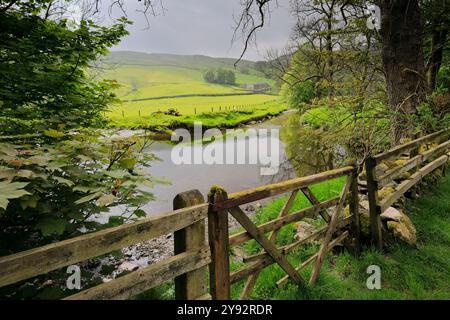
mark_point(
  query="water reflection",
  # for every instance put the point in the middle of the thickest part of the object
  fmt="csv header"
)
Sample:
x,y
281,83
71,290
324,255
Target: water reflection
x,y
310,150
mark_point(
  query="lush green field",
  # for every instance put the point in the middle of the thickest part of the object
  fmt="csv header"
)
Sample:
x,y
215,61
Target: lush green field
x,y
140,82
223,114
150,83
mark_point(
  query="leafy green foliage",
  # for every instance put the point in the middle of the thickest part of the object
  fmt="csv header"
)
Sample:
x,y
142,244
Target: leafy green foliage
x,y
44,67
299,94
53,187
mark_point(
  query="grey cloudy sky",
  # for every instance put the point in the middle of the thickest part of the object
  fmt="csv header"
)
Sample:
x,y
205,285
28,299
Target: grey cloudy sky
x,y
202,27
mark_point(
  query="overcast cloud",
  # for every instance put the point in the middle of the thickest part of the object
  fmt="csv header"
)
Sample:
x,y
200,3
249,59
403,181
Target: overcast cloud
x,y
202,27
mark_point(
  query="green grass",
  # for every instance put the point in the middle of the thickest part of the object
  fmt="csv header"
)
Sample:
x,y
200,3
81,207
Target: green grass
x,y
160,81
406,272
157,82
219,117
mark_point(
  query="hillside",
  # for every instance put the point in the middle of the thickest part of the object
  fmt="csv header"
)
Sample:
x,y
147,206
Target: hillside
x,y
199,62
151,83
143,75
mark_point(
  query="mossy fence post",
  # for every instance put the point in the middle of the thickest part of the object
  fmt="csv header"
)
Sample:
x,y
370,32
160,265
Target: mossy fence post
x,y
354,208
374,207
191,285
219,268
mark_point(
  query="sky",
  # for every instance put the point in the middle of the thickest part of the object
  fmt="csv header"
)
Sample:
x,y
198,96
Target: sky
x,y
202,27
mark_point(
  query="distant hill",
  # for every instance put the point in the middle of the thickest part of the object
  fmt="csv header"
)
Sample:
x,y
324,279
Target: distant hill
x,y
152,76
200,62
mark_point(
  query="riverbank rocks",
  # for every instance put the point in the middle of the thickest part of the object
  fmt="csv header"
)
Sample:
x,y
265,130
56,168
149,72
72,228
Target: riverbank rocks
x,y
128,266
385,192
394,221
403,229
391,214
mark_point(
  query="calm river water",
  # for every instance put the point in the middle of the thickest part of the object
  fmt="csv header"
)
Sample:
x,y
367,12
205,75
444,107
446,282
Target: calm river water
x,y
233,177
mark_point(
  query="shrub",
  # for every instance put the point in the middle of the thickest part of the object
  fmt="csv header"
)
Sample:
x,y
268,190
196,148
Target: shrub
x,y
52,188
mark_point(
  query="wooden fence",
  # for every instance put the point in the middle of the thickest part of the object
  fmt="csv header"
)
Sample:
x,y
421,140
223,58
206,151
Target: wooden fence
x,y
422,163
192,254
221,205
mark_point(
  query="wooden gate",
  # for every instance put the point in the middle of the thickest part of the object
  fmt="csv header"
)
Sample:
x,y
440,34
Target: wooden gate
x,y
220,205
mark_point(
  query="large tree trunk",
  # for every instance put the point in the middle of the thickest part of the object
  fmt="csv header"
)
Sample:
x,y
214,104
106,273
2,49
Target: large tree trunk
x,y
403,61
435,61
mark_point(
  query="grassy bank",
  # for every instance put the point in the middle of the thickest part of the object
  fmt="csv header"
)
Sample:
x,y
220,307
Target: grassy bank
x,y
221,115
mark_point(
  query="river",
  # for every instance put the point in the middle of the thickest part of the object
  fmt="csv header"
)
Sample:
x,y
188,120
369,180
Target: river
x,y
232,177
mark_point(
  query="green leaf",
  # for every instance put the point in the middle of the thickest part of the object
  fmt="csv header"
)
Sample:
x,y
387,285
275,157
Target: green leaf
x,y
54,133
29,202
39,160
127,163
115,221
106,199
61,180
11,190
90,197
118,174
10,173
81,188
140,213
50,225
8,150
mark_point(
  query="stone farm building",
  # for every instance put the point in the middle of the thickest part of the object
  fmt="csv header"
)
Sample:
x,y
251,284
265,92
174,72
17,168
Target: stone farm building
x,y
257,87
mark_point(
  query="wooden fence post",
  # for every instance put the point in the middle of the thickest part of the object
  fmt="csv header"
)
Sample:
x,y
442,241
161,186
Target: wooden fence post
x,y
374,208
193,284
354,208
219,268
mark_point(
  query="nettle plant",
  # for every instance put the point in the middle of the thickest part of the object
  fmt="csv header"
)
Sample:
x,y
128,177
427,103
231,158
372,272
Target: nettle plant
x,y
52,188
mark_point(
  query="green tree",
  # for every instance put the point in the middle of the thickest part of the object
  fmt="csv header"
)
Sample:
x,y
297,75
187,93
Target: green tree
x,y
209,76
230,77
221,76
45,66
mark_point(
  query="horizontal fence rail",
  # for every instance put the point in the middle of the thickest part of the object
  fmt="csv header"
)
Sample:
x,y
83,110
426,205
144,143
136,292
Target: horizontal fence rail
x,y
34,262
251,195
